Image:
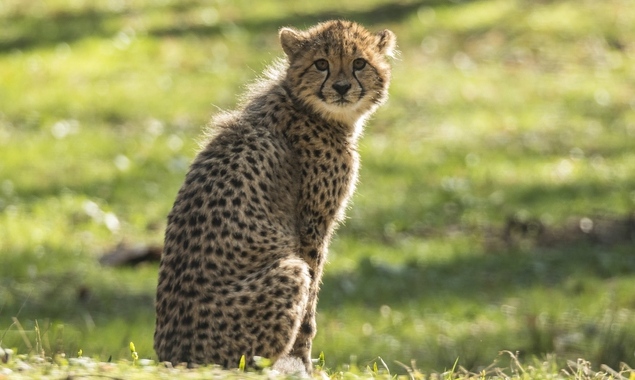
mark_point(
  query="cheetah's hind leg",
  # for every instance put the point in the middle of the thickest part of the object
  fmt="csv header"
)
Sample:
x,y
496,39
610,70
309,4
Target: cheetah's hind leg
x,y
280,302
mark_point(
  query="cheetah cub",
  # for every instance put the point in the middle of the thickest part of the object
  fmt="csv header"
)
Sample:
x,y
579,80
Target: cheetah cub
x,y
247,237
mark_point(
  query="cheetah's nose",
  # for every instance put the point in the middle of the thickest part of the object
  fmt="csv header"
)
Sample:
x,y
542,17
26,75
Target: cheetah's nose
x,y
341,87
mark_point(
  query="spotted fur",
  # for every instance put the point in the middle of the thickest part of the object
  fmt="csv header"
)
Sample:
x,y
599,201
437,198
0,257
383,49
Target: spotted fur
x,y
247,237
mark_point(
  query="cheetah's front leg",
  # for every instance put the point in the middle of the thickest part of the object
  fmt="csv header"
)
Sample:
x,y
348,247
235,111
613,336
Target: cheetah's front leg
x,y
308,327
304,339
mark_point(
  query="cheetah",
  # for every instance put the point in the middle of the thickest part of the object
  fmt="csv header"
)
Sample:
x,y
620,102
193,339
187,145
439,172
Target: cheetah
x,y
247,237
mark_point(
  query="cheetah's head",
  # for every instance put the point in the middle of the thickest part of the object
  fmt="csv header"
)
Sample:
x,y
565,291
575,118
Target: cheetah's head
x,y
338,68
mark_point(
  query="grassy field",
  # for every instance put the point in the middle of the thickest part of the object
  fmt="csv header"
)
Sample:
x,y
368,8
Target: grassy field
x,y
496,204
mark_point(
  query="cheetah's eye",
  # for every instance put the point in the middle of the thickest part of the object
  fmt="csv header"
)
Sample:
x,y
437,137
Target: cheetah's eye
x,y
322,64
359,64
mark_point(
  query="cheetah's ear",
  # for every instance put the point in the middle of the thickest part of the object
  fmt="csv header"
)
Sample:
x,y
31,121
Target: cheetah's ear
x,y
386,42
291,41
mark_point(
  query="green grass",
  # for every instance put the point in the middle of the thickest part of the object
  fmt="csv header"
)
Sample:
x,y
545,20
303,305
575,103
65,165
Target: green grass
x,y
506,366
498,110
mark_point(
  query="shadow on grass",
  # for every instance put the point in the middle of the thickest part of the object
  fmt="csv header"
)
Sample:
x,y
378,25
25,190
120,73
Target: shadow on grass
x,y
72,293
76,303
482,282
486,278
29,31
392,12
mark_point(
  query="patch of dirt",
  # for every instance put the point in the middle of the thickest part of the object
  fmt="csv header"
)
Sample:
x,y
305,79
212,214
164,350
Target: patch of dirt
x,y
603,230
131,255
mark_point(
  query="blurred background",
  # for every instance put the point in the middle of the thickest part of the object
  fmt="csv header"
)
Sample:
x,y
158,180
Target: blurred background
x,y
495,209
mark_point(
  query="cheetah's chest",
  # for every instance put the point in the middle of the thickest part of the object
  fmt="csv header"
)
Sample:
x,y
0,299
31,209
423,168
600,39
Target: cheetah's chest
x,y
328,166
